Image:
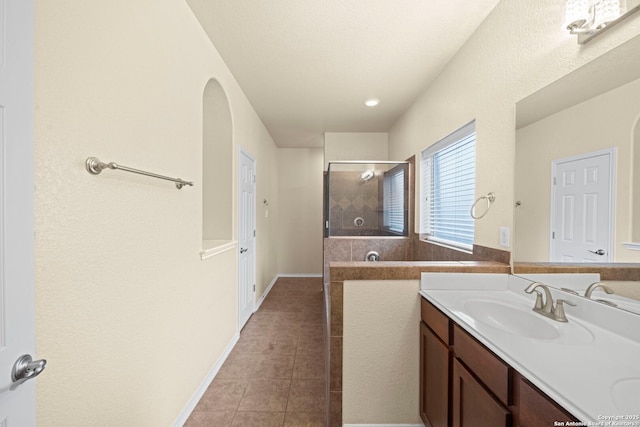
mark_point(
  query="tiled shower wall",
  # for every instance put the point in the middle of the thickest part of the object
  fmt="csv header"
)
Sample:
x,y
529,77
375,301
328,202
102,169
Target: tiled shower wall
x,y
351,198
355,249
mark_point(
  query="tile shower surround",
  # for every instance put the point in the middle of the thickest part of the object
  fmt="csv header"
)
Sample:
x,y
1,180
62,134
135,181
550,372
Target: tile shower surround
x,y
275,374
350,198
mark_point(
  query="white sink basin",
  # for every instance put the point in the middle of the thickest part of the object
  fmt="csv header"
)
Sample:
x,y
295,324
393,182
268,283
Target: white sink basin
x,y
518,319
512,320
626,395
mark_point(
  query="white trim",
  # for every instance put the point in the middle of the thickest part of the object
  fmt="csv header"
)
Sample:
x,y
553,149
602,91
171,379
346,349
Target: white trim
x,y
266,292
197,395
468,249
613,173
298,275
632,246
461,133
218,248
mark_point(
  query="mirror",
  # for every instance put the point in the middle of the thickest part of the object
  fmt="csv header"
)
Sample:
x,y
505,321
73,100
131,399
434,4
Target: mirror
x,y
590,112
624,295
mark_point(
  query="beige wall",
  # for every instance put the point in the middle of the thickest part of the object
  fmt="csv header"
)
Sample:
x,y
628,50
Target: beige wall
x,y
381,352
518,49
355,146
626,289
300,230
600,123
123,301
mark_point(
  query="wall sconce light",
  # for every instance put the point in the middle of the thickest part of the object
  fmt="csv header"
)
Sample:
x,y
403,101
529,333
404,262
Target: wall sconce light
x,y
588,18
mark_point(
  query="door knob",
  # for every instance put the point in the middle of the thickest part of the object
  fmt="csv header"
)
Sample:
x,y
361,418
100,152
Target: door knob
x,y
243,250
598,252
26,368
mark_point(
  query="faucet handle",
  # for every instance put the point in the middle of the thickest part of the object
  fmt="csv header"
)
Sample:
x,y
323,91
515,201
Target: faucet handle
x,y
607,302
558,310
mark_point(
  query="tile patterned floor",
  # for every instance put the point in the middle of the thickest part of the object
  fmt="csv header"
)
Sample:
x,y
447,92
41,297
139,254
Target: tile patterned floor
x,y
275,374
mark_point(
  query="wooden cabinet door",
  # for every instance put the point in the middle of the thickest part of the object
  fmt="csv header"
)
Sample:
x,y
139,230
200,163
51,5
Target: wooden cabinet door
x,y
434,379
534,408
472,405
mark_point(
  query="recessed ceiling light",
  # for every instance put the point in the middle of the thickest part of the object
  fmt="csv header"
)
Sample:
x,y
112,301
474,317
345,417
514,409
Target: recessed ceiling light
x,y
371,102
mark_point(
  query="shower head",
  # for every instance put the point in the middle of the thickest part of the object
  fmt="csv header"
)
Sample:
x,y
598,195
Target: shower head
x,y
367,175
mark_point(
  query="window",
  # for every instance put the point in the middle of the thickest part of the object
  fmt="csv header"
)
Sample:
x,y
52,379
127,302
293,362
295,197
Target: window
x,y
447,171
394,216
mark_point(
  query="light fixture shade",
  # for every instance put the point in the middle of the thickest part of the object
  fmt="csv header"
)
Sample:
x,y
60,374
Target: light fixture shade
x,y
606,11
623,7
576,13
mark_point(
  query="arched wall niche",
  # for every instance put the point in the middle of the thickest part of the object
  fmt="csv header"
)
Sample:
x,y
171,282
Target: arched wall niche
x,y
217,167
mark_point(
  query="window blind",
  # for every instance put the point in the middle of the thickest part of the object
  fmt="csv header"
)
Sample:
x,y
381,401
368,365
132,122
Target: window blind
x,y
448,189
393,200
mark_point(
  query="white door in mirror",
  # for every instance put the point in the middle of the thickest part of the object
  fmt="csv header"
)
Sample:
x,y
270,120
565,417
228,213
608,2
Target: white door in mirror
x,y
246,236
581,208
17,372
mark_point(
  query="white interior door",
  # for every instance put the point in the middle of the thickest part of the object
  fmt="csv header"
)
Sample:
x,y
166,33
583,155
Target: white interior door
x,y
17,400
582,208
246,237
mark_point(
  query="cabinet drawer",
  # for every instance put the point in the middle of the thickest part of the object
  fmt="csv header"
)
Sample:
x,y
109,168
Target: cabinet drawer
x,y
437,321
492,371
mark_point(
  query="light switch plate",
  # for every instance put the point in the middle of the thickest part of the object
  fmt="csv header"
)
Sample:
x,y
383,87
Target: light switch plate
x,y
504,236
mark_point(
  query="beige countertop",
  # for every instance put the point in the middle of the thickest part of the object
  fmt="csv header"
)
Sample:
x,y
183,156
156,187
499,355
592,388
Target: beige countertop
x,y
408,270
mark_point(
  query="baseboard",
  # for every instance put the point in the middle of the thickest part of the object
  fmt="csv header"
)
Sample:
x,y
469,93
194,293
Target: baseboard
x,y
186,412
266,292
299,275
188,409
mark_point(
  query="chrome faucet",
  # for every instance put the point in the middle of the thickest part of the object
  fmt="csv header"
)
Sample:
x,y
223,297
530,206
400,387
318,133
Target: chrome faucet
x,y
539,307
548,309
592,287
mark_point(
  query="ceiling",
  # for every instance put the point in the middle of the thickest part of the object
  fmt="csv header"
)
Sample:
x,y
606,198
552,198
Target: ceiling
x,y
307,66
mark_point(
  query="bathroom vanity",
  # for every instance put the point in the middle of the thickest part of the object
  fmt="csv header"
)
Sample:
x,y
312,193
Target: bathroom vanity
x,y
373,288
457,343
461,378
487,359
